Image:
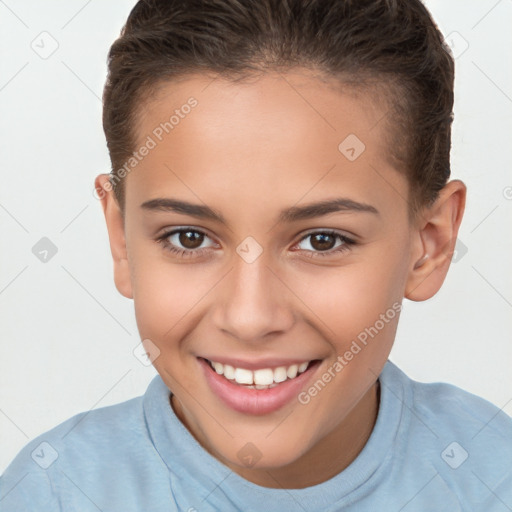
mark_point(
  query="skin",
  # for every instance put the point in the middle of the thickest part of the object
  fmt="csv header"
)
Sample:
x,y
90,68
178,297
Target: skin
x,y
248,150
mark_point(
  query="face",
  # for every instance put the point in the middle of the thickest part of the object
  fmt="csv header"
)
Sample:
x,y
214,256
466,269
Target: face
x,y
265,228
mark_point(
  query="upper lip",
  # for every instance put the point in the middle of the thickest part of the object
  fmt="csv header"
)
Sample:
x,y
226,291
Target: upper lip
x,y
259,364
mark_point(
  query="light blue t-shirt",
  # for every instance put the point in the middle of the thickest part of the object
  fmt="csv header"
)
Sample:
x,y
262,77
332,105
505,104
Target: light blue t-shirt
x,y
434,448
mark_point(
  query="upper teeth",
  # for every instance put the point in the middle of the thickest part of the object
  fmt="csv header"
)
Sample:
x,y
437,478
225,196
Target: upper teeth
x,y
262,377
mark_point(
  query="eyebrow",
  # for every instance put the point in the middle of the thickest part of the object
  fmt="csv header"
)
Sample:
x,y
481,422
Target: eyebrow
x,y
291,214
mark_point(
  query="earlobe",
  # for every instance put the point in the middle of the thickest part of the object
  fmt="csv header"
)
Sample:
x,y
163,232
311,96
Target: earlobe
x,y
116,234
435,242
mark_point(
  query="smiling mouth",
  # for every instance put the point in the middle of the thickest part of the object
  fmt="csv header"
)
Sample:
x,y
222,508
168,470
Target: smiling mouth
x,y
263,378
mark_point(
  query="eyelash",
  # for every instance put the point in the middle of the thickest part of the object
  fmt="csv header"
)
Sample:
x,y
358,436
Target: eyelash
x,y
192,253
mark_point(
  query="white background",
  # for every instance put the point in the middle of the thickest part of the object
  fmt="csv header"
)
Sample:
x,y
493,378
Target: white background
x,y
67,336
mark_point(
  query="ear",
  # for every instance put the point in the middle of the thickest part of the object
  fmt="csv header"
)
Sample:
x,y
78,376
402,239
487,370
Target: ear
x,y
116,234
434,244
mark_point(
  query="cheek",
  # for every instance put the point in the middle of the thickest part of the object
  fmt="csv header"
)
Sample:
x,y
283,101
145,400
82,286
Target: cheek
x,y
350,302
166,295
360,301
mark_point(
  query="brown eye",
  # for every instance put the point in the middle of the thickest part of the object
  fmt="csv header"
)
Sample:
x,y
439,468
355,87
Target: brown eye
x,y
186,242
325,243
191,239
322,241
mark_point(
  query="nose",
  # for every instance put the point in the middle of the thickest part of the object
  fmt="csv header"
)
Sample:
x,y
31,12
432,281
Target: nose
x,y
254,304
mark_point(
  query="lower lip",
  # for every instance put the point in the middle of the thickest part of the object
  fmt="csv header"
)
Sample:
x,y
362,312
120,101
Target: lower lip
x,y
256,401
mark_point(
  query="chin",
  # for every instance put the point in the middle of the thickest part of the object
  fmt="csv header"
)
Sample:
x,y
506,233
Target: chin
x,y
263,455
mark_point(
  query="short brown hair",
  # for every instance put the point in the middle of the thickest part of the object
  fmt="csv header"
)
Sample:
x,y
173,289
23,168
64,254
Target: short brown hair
x,y
394,43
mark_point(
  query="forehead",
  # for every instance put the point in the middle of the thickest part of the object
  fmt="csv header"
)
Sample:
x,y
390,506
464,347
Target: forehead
x,y
273,138
260,106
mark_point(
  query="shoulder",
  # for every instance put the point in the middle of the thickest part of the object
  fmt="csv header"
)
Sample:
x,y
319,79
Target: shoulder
x,y
461,412
85,441
450,407
462,440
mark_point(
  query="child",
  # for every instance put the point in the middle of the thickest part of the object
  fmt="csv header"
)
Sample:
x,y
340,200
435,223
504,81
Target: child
x,y
279,184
